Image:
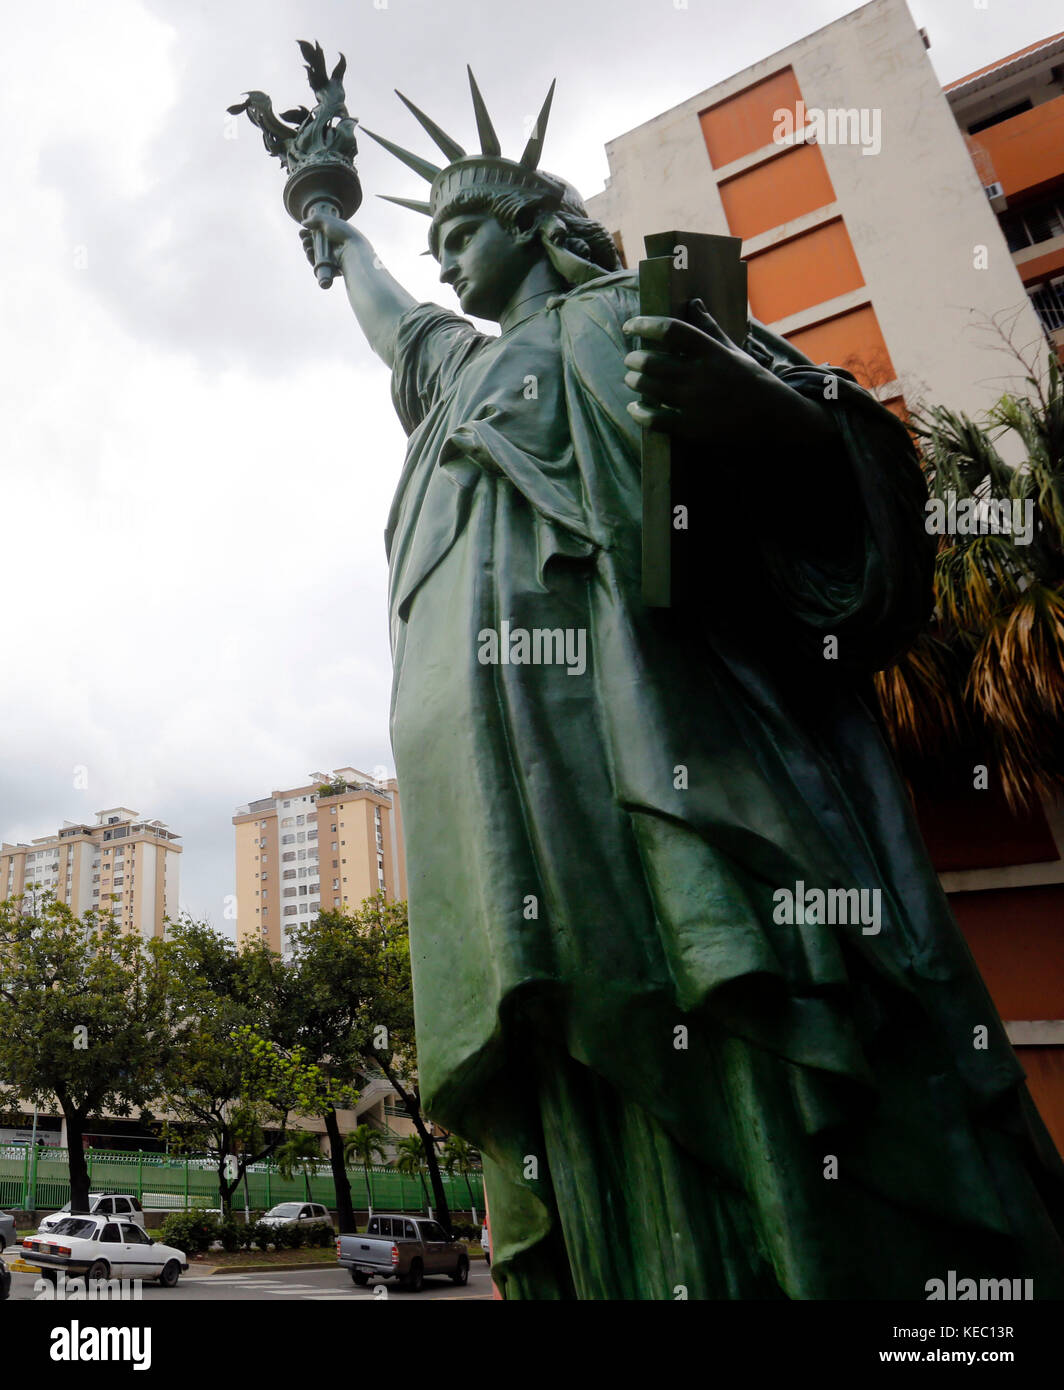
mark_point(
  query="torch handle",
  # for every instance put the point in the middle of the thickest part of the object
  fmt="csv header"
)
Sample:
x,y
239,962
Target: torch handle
x,y
326,267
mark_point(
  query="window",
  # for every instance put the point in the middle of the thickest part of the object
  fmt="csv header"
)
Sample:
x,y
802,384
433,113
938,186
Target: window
x,y
408,1230
302,890
288,820
1048,301
110,1234
289,893
288,839
336,884
999,116
290,911
288,858
133,1235
289,873
1037,221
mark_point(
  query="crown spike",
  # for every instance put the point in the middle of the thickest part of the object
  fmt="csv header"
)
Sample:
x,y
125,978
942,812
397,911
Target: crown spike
x,y
534,148
451,148
489,141
410,203
412,161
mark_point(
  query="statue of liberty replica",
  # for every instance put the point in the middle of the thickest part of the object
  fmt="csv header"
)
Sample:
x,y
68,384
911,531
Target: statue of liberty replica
x,y
683,972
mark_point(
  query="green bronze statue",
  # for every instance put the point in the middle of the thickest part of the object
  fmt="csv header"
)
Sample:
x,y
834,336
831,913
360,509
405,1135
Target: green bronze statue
x,y
683,971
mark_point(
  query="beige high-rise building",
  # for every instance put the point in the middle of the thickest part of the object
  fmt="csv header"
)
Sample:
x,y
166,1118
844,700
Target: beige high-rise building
x,y
124,863
322,846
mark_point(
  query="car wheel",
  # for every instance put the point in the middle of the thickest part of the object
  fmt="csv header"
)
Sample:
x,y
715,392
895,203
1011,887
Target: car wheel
x,y
50,1275
171,1273
360,1277
461,1274
415,1279
99,1269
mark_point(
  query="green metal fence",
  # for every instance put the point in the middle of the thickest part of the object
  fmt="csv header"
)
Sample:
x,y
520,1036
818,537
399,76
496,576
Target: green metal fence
x,y
175,1184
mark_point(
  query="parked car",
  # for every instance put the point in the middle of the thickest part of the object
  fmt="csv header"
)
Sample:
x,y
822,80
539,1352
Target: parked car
x,y
118,1204
404,1248
103,1249
7,1230
297,1214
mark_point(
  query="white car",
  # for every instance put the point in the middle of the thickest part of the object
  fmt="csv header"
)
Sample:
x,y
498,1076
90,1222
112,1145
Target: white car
x,y
118,1204
296,1214
103,1249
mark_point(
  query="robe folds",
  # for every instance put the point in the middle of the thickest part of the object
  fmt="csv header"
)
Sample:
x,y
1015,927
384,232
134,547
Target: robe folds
x,y
673,1086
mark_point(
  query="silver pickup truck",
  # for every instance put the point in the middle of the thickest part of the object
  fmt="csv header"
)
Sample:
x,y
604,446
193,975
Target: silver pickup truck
x,y
404,1248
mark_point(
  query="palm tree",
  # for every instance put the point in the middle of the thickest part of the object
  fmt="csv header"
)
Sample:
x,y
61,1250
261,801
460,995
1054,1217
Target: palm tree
x,y
300,1152
362,1143
459,1156
990,673
410,1160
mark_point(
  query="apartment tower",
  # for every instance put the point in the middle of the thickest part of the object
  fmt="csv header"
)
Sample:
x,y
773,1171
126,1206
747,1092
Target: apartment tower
x,y
320,847
124,863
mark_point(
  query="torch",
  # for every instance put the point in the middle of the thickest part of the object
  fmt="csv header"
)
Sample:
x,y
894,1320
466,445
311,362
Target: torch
x,y
317,148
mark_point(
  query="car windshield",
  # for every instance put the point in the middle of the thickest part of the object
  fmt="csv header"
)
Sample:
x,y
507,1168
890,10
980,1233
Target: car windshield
x,y
74,1226
286,1209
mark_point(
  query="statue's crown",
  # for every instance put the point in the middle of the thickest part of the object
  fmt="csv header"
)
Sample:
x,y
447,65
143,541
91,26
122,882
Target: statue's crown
x,y
487,171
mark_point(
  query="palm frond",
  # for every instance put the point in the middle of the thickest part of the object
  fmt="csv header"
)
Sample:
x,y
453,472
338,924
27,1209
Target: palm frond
x,y
919,697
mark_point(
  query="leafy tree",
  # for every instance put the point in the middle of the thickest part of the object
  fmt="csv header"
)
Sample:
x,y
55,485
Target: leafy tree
x,y
459,1156
989,675
410,1161
300,1153
362,1144
84,1017
232,1077
353,1000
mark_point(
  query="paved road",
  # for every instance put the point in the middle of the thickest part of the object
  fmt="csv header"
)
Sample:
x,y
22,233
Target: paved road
x,y
314,1284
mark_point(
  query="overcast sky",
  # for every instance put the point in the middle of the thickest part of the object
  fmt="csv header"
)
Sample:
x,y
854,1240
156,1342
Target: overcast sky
x,y
198,449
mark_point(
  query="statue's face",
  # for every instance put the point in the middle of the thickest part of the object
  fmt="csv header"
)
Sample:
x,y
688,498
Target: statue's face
x,y
483,261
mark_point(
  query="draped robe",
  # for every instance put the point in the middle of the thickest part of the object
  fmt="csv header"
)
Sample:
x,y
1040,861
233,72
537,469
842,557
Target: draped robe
x,y
671,1088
